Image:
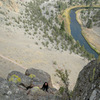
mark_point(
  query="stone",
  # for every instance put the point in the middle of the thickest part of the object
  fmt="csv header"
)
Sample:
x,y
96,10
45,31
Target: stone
x,y
1,79
38,94
88,83
19,78
40,74
10,91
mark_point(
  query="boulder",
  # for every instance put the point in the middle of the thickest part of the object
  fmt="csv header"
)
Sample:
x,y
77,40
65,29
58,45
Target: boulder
x,y
10,91
41,76
1,79
38,94
88,83
19,78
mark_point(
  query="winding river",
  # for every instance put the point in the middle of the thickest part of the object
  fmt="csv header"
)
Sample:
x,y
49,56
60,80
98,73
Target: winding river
x,y
77,35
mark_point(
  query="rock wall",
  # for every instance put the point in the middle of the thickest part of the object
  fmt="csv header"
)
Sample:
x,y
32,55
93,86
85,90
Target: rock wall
x,y
88,83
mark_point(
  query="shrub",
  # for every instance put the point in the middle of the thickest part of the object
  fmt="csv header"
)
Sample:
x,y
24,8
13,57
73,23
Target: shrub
x,y
54,62
89,23
63,75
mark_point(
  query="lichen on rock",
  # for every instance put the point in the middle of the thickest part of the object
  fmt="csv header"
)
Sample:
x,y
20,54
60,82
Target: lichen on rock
x,y
15,79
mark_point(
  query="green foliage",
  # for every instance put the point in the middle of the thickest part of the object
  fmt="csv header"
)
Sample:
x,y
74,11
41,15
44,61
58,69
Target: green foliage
x,y
98,60
43,8
82,2
61,90
47,13
54,62
96,1
61,5
1,12
47,43
70,2
36,43
89,23
35,21
62,26
9,23
92,78
63,76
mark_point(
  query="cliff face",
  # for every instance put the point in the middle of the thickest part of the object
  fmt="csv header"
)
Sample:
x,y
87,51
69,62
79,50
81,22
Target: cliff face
x,y
88,83
19,86
9,4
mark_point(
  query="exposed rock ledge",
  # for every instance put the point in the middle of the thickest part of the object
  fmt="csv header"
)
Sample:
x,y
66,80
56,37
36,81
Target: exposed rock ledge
x,y
15,87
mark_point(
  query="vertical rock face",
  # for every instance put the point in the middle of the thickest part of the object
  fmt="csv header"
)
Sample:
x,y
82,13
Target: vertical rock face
x,y
9,4
88,83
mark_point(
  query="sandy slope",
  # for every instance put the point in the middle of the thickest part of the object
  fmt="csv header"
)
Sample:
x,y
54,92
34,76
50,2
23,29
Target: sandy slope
x,y
16,46
22,50
7,66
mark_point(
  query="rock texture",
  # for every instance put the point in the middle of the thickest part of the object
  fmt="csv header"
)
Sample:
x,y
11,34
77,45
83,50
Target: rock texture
x,y
88,83
39,74
19,78
15,87
10,91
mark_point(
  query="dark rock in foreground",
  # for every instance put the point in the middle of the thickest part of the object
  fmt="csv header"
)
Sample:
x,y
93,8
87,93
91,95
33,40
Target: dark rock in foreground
x,y
10,91
15,87
88,83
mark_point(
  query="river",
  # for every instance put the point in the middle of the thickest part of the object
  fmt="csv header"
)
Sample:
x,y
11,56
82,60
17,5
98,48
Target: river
x,y
77,35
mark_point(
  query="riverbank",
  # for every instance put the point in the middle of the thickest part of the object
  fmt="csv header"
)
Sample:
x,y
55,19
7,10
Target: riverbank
x,y
66,16
91,37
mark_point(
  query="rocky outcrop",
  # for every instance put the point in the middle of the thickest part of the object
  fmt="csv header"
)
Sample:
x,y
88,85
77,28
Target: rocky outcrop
x,y
39,75
15,87
10,91
19,78
88,83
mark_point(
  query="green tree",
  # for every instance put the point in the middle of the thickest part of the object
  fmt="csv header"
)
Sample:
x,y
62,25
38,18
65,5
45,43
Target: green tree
x,y
62,26
77,44
47,12
96,1
63,75
82,48
70,2
89,23
98,60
